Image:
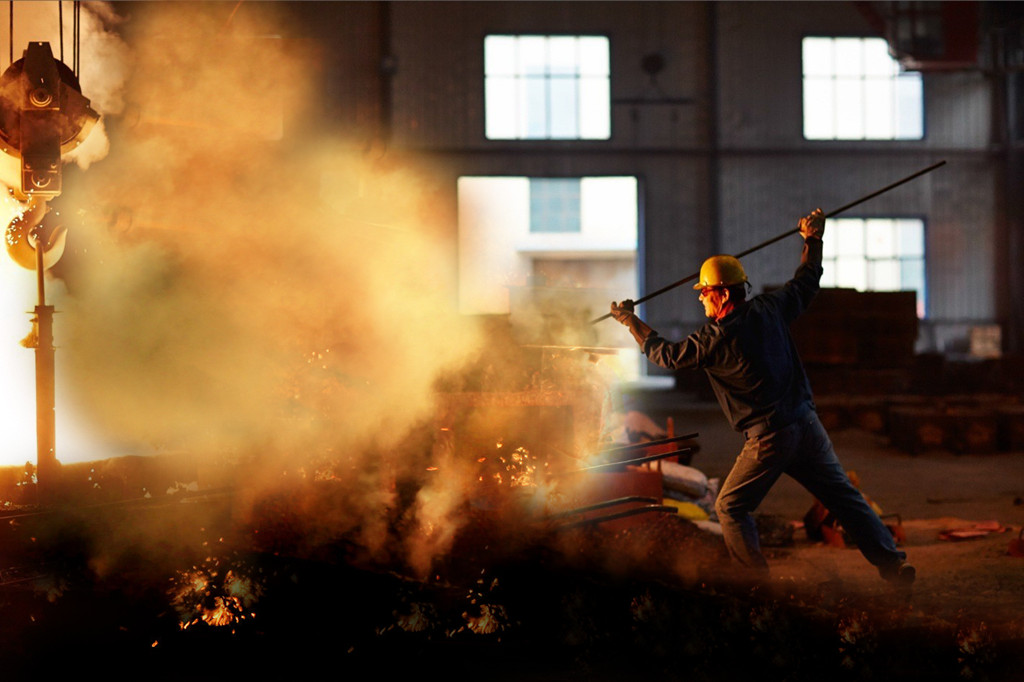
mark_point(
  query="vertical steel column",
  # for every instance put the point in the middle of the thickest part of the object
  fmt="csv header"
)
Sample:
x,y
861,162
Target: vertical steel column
x,y
1005,23
47,468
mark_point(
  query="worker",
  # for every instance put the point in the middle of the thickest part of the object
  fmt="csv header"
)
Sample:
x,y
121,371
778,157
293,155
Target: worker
x,y
752,363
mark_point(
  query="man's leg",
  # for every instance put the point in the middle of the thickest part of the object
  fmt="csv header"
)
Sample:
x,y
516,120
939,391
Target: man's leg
x,y
819,470
755,471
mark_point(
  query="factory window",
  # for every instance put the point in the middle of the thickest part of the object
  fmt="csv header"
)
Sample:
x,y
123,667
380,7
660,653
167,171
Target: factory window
x,y
540,87
501,248
854,90
554,204
876,254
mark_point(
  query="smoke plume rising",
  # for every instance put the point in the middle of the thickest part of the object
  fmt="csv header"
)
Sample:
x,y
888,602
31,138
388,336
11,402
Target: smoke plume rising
x,y
231,288
244,286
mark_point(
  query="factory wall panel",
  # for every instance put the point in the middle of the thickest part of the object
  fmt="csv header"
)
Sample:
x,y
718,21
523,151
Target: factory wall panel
x,y
344,40
678,239
759,56
760,85
438,82
958,111
964,259
770,175
715,138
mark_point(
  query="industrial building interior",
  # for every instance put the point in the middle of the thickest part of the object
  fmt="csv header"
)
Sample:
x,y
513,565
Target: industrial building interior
x,y
309,366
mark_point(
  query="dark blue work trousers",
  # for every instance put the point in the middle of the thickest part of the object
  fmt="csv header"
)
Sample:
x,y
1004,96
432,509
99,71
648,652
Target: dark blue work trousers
x,y
803,451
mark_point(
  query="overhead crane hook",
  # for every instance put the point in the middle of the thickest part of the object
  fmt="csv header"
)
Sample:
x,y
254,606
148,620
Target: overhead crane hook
x,y
26,234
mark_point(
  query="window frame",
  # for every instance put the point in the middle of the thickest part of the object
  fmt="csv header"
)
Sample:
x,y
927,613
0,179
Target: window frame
x,y
925,303
864,139
594,242
546,79
575,194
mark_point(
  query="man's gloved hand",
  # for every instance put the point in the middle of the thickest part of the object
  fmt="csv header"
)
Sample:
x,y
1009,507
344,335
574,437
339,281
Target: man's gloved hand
x,y
623,312
813,225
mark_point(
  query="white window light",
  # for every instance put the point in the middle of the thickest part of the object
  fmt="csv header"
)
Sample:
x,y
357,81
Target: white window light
x,y
876,254
547,87
555,205
500,240
854,90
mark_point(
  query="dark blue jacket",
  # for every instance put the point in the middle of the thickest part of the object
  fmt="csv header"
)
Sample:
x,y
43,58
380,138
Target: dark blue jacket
x,y
749,355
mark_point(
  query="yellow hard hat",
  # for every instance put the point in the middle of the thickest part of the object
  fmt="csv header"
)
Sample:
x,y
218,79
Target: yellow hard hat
x,y
720,271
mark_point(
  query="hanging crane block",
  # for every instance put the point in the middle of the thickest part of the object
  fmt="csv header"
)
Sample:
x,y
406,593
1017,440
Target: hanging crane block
x,y
46,117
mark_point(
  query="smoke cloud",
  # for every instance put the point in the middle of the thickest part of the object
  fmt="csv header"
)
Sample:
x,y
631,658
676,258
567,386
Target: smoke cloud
x,y
231,288
239,290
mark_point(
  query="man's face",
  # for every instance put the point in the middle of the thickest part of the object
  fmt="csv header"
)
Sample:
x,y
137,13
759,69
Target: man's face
x,y
714,299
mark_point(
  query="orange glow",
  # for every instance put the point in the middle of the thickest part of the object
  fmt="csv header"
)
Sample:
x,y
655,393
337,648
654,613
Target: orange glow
x,y
521,468
418,619
491,619
195,596
223,612
169,342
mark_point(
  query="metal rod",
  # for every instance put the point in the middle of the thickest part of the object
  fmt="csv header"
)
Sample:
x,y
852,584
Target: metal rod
x,y
47,467
638,460
46,452
603,505
619,515
648,444
785,234
137,503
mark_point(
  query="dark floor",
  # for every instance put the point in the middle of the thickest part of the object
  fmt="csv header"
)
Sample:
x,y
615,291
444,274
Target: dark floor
x,y
114,587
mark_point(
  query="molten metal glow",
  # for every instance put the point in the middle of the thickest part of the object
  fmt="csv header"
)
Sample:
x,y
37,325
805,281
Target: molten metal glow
x,y
520,468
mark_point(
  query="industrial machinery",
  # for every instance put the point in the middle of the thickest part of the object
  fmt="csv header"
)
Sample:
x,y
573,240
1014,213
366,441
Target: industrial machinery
x,y
43,115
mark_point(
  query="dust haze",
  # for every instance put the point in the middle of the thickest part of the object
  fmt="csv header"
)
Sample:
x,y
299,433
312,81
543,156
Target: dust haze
x,y
245,284
230,287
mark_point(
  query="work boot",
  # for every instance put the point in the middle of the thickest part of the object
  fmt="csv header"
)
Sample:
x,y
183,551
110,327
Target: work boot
x,y
899,575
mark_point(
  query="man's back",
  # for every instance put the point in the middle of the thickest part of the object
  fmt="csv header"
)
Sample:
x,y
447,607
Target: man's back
x,y
753,365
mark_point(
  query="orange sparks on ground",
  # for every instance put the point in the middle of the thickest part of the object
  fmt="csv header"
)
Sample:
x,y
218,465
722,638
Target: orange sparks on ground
x,y
490,620
192,595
